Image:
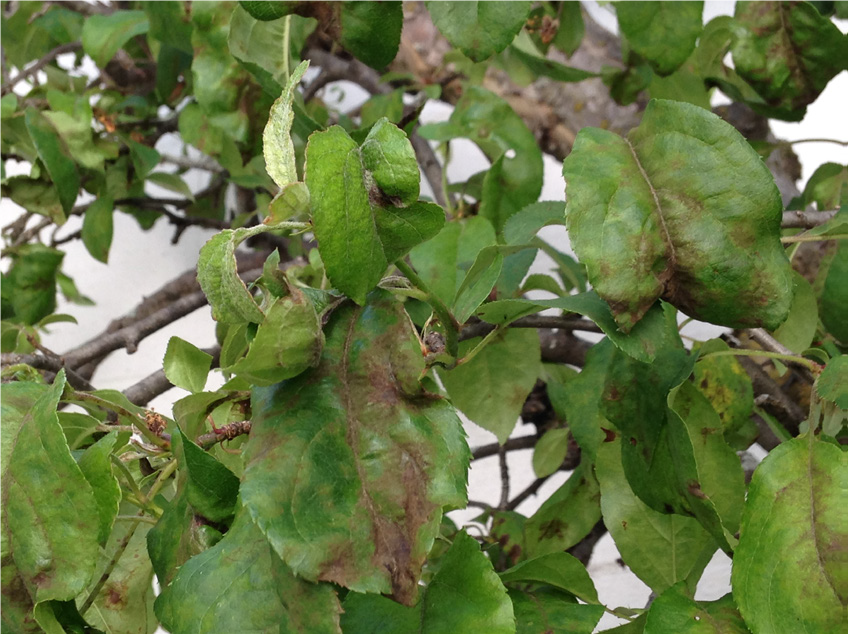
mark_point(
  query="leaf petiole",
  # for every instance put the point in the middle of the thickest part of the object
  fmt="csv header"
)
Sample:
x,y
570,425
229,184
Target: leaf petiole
x,y
803,237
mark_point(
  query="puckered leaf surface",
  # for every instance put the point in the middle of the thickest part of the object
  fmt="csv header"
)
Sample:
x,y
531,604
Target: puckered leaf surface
x,y
683,209
349,464
791,574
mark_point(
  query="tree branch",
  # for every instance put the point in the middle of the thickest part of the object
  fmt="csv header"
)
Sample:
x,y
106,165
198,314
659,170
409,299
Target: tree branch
x,y
806,219
28,72
522,442
554,322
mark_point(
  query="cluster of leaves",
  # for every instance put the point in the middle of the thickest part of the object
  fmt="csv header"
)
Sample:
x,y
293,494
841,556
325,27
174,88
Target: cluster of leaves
x,y
329,515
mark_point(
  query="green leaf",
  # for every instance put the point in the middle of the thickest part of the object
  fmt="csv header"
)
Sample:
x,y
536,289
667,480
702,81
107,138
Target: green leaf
x,y
828,186
550,452
790,575
177,537
287,342
388,155
547,611
186,365
544,67
443,261
96,466
642,342
357,231
664,33
662,213
55,156
492,387
832,384
329,447
370,31
124,603
277,143
787,51
493,125
144,157
726,385
169,24
232,588
228,296
481,605
256,44
32,280
660,549
479,29
104,35
675,611
571,28
171,182
560,570
50,515
97,228
36,196
799,329
211,488
833,301
522,226
292,201
567,516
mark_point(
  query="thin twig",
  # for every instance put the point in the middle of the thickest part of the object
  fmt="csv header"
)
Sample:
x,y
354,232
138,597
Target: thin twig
x,y
563,322
504,468
526,493
522,442
227,432
805,219
28,72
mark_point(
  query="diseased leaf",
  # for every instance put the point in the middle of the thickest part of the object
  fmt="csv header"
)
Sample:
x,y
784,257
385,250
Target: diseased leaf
x,y
104,35
481,605
211,488
675,611
663,213
832,384
50,515
664,33
726,385
567,516
186,365
56,158
791,575
660,549
787,51
388,155
357,230
232,588
97,228
491,388
276,139
370,31
124,604
345,434
479,29
287,342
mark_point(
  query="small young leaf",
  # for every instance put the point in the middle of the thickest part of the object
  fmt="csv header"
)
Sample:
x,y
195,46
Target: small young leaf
x,y
97,228
388,155
828,186
186,365
287,342
491,388
276,139
799,329
211,488
832,384
692,234
104,35
790,575
479,29
550,451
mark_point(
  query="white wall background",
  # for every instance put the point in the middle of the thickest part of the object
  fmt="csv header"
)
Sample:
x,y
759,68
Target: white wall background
x,y
141,262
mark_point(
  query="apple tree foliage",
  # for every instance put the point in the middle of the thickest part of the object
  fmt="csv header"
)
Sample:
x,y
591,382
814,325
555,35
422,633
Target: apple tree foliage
x,y
309,492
